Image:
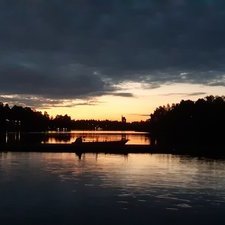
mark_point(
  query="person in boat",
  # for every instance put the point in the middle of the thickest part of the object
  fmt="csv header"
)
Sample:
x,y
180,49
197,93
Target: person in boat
x,y
79,140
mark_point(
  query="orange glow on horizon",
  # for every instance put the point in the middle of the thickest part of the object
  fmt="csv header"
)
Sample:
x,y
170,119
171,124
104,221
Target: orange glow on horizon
x,y
140,106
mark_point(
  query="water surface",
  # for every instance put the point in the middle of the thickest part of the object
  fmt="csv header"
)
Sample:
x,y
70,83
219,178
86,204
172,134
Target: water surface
x,y
61,189
141,138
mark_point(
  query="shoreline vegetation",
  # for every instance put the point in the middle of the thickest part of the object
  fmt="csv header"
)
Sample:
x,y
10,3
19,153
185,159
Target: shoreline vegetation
x,y
188,127
24,119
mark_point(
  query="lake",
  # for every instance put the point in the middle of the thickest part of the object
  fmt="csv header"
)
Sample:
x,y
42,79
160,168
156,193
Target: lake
x,y
63,189
141,138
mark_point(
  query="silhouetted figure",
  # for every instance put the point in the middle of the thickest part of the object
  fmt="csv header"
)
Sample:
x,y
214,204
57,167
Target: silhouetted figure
x,y
79,140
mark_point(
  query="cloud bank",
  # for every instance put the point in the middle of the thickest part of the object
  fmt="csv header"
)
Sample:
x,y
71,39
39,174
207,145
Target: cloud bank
x,y
60,49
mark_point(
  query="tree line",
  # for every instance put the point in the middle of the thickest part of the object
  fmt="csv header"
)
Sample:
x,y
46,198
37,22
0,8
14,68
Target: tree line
x,y
183,125
189,123
18,118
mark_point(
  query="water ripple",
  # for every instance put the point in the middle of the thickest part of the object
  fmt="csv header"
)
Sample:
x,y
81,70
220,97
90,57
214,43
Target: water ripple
x,y
140,183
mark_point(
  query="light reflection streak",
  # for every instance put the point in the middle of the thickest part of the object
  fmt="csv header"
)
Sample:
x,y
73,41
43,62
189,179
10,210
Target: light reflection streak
x,y
133,137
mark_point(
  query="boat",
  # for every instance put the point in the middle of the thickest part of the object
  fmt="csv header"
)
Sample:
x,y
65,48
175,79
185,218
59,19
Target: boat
x,y
82,143
79,145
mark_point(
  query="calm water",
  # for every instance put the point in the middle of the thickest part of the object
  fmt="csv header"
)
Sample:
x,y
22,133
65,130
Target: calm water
x,y
61,189
140,138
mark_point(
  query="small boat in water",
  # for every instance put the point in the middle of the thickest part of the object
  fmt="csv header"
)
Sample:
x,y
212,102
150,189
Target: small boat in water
x,y
80,142
79,145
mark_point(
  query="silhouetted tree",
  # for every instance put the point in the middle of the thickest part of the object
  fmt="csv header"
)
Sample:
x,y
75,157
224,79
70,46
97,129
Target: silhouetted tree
x,y
190,123
18,118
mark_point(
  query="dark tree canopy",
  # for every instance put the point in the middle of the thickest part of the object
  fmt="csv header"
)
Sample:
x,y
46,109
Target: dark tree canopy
x,y
189,123
18,118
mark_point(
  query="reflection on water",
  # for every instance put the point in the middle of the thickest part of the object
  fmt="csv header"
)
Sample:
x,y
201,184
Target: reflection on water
x,y
134,137
69,137
50,188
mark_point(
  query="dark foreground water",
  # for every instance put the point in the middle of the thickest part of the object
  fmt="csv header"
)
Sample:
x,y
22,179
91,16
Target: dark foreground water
x,y
61,189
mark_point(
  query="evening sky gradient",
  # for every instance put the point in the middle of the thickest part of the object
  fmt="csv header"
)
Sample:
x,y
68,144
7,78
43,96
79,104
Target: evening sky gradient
x,y
68,53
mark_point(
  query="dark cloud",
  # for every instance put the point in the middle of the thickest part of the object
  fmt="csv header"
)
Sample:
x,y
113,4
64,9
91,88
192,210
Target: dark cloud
x,y
75,49
28,101
66,82
44,103
186,94
197,93
122,94
137,114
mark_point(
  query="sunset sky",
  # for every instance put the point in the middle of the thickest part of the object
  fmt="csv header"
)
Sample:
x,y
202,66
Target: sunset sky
x,y
98,59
